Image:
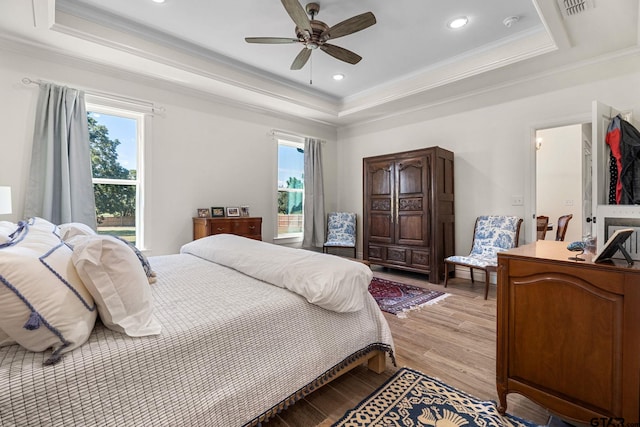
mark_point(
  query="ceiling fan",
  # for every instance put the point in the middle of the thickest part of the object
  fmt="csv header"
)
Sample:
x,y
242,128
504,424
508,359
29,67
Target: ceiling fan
x,y
313,34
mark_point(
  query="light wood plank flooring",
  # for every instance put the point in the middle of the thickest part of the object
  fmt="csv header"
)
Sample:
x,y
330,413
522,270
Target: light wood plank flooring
x,y
454,340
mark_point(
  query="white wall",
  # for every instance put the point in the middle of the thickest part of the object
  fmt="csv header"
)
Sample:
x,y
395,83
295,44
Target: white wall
x,y
203,153
493,145
207,153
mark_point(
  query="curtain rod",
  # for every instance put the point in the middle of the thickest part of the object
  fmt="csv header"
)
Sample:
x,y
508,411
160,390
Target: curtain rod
x,y
275,132
156,110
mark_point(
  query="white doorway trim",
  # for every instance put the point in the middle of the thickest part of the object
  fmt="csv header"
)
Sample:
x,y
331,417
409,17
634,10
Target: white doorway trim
x,y
530,174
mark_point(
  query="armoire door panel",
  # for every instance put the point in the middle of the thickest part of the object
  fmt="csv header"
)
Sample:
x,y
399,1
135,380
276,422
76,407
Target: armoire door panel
x,y
410,204
380,229
411,230
410,176
380,178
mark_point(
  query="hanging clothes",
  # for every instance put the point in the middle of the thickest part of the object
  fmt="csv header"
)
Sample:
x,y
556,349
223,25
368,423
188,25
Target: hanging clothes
x,y
630,172
612,139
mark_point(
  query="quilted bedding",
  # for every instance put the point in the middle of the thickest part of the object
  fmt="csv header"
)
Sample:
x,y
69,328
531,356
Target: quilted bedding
x,y
231,348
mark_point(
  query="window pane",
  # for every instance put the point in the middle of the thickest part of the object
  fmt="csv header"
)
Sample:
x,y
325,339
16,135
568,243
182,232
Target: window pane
x,y
116,210
290,189
290,167
114,146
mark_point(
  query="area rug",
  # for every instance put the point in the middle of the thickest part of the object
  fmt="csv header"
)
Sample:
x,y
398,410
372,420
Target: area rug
x,y
411,398
398,298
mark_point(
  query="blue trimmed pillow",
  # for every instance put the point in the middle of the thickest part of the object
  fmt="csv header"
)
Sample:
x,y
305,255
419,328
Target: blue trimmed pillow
x,y
43,303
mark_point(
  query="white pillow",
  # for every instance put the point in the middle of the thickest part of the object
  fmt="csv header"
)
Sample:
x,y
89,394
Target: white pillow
x,y
72,229
5,339
113,274
6,228
43,303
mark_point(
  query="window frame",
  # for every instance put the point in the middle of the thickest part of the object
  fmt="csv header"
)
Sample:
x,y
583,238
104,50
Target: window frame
x,y
296,142
97,105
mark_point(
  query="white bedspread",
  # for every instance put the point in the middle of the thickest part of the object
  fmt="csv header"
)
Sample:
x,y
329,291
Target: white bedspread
x,y
328,281
231,348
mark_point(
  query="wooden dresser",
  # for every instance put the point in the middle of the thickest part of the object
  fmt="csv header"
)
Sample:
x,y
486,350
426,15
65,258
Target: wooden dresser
x,y
569,333
242,226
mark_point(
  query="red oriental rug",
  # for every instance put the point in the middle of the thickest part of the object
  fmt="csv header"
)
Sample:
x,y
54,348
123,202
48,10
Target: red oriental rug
x,y
398,298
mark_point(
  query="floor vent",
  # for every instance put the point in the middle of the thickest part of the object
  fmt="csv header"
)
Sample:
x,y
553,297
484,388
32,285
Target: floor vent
x,y
573,7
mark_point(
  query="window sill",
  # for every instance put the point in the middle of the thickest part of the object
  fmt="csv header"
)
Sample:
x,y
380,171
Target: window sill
x,y
286,241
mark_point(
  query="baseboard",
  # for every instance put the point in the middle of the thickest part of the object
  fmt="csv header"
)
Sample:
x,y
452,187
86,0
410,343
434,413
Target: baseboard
x,y
478,275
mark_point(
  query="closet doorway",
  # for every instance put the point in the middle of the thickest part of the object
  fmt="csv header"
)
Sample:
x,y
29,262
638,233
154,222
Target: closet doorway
x,y
563,158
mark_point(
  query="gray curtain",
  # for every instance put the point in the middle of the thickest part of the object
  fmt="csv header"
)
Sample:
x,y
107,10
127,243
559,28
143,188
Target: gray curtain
x,y
60,188
313,194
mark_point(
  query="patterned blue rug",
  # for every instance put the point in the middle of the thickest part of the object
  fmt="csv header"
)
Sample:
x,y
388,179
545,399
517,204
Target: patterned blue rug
x,y
410,398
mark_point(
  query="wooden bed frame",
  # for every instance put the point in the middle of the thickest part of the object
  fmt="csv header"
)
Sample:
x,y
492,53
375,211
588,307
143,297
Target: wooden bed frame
x,y
376,361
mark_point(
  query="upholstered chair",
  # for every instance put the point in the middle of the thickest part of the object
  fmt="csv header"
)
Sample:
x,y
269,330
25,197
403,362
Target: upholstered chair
x,y
341,231
491,234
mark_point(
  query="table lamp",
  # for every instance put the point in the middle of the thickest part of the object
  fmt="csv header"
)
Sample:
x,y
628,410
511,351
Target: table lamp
x,y
5,200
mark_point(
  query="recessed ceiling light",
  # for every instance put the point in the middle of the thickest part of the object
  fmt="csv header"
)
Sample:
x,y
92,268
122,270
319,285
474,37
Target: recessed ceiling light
x,y
158,1
338,76
458,22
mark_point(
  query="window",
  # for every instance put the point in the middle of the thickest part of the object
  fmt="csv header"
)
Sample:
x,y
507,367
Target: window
x,y
290,188
116,138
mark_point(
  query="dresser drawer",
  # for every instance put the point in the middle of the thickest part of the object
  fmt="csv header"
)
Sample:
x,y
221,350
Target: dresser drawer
x,y
250,227
242,226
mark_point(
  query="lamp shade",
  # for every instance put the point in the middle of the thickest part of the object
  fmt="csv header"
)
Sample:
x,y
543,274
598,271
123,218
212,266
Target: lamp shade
x,y
5,200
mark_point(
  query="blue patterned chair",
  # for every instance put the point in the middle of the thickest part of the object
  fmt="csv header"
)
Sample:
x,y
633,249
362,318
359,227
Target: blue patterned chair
x,y
341,231
492,234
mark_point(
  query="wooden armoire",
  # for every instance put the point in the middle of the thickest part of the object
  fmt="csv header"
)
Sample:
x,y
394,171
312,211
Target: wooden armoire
x,y
409,210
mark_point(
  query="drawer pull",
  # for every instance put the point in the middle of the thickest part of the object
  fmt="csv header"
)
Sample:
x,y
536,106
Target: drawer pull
x,y
252,227
220,229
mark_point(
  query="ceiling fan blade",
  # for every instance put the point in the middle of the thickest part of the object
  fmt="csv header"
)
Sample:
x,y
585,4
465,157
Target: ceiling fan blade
x,y
341,53
270,40
349,26
298,14
301,59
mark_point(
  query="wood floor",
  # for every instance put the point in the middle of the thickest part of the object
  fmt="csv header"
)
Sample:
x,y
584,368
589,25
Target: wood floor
x,y
454,340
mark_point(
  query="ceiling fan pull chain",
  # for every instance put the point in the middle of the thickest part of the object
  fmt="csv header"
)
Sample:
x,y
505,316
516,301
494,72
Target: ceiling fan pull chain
x,y
311,70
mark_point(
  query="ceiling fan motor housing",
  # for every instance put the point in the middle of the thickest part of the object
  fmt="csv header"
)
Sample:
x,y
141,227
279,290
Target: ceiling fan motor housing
x,y
317,28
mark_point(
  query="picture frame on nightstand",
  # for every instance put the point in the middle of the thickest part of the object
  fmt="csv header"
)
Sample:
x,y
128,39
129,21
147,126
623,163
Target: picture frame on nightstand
x,y
217,212
233,211
244,210
203,213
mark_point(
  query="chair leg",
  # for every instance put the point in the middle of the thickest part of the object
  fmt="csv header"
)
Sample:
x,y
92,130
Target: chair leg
x,y
355,254
446,273
486,286
471,270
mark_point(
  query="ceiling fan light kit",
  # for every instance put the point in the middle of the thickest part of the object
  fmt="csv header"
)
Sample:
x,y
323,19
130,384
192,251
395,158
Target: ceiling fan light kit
x,y
314,34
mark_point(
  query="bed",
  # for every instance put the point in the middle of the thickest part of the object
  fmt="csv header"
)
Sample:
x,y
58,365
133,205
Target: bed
x,y
233,349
